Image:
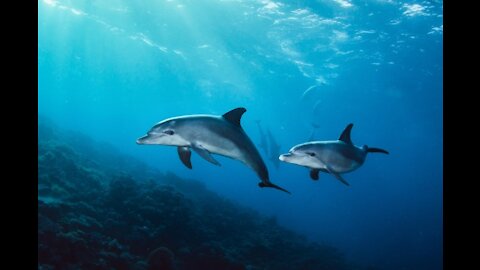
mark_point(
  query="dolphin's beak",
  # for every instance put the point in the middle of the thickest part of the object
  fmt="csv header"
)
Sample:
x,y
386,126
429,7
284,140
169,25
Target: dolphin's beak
x,y
284,156
142,139
150,138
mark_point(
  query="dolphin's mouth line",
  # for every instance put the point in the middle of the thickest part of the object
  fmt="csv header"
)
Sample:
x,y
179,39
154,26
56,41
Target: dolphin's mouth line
x,y
290,154
143,138
283,157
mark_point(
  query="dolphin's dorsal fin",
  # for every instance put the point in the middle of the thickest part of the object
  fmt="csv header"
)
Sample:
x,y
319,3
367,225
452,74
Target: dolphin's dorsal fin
x,y
345,137
234,116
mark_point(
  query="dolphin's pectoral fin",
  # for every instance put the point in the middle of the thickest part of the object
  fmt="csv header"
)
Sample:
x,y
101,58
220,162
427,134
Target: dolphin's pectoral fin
x,y
234,116
338,176
184,153
205,154
314,174
376,150
345,136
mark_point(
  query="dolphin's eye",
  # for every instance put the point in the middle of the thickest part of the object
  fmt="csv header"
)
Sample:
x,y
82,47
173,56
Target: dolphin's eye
x,y
169,132
311,154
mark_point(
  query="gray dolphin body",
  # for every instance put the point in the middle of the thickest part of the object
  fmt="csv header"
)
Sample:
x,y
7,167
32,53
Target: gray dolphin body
x,y
210,134
334,157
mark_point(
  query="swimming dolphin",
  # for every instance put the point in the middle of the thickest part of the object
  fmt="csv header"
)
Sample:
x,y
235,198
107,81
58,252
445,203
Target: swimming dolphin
x,y
274,149
334,157
263,140
269,145
315,126
307,92
207,134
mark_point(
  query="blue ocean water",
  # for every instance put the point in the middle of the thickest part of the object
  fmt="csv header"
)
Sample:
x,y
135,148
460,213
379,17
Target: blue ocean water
x,y
111,69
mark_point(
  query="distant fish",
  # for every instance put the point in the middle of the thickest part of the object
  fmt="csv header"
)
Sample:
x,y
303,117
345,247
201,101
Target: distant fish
x,y
207,134
334,157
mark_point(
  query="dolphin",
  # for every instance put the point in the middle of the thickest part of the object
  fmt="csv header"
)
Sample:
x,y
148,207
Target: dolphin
x,y
307,92
269,145
210,134
274,149
263,140
315,126
334,157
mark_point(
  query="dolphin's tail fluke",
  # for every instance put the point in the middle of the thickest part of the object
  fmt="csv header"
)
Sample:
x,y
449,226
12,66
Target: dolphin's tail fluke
x,y
269,184
376,150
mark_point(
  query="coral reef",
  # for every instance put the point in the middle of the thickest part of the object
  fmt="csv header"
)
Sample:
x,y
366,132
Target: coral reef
x,y
161,258
99,209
